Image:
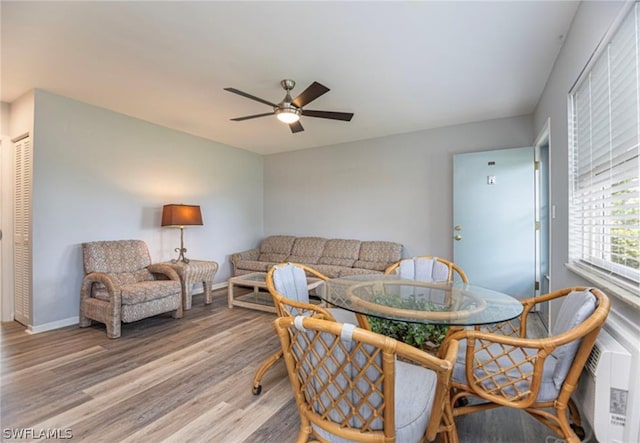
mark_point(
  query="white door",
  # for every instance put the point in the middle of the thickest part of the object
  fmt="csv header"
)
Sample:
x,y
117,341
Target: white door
x,y
22,231
494,219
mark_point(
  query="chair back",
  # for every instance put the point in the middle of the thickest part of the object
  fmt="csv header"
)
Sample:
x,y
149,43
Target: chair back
x,y
125,260
518,371
428,269
345,385
287,283
576,308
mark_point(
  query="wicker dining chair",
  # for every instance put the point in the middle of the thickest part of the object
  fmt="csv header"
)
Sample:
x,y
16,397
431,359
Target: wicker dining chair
x,y
287,283
427,268
353,385
537,375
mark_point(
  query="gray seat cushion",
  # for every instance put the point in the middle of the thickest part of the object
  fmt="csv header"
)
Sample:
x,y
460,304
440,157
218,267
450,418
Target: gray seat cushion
x,y
423,269
414,391
291,281
576,307
548,390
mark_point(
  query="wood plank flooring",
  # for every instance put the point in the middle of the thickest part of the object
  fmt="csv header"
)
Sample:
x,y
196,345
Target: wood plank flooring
x,y
170,380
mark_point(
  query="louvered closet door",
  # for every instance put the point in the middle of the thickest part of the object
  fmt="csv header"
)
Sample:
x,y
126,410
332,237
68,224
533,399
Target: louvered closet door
x,y
22,230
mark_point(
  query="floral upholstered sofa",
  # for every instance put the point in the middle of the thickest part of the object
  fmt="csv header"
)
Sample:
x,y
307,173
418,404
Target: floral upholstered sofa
x,y
332,257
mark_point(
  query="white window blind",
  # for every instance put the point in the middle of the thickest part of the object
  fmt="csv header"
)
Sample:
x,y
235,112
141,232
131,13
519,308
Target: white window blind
x,y
604,166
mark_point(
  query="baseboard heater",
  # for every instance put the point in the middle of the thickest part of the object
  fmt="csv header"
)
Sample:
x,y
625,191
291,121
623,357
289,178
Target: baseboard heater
x,y
603,391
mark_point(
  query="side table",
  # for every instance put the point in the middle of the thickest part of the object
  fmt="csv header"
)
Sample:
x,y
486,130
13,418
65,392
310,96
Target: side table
x,y
194,272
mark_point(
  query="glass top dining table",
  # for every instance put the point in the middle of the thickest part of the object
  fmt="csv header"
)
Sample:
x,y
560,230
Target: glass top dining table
x,y
393,298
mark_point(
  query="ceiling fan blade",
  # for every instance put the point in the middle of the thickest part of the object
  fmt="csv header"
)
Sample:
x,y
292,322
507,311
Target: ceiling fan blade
x,y
314,91
296,127
345,116
248,117
252,97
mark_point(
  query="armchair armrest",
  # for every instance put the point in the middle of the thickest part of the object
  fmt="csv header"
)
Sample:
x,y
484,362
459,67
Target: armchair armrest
x,y
110,283
162,269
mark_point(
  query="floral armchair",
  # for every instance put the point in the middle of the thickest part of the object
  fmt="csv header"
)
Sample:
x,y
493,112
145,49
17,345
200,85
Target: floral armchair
x,y
121,285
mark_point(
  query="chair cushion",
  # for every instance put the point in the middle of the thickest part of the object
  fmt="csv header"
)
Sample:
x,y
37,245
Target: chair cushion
x,y
576,307
343,316
276,248
339,252
118,256
423,269
414,393
142,291
307,250
291,282
548,390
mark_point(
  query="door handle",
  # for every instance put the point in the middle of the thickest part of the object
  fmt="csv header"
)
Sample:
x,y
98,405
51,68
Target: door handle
x,y
457,237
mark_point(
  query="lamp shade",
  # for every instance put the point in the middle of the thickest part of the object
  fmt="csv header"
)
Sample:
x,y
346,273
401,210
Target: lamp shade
x,y
181,215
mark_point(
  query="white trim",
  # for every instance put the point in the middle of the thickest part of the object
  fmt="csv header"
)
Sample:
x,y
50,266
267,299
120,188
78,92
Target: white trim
x,y
53,325
603,43
75,320
224,284
609,287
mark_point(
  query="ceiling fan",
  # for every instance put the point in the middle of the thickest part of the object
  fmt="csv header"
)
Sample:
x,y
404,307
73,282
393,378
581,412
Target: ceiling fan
x,y
289,110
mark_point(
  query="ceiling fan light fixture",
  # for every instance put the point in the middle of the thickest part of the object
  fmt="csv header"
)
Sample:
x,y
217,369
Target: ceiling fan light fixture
x,y
288,115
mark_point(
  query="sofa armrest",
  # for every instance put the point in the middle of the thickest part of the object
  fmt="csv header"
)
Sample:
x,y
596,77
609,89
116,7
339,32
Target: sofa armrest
x,y
251,254
163,269
110,283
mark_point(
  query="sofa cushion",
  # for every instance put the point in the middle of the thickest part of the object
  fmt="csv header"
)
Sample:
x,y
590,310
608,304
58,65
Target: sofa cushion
x,y
307,250
339,252
330,271
378,255
345,272
276,248
255,265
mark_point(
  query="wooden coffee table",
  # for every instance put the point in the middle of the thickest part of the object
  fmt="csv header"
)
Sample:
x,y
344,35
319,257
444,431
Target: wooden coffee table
x,y
260,300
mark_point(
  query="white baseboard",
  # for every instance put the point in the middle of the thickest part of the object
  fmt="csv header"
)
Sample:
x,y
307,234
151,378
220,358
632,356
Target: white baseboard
x,y
75,320
53,325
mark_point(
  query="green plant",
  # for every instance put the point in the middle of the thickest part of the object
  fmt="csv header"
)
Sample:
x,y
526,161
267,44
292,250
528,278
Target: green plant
x,y
423,336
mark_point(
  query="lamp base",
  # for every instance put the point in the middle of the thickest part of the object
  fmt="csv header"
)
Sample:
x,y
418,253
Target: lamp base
x,y
181,249
181,257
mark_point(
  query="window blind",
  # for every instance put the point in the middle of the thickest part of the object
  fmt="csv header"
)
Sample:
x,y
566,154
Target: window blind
x,y
604,165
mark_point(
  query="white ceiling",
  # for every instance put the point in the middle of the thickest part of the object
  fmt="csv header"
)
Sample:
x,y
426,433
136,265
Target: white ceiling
x,y
398,66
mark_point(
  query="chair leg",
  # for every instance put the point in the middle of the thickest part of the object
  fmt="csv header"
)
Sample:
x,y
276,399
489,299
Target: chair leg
x,y
264,367
178,313
113,329
450,433
84,322
563,421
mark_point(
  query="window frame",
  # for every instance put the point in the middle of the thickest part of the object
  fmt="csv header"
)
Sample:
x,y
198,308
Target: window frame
x,y
604,273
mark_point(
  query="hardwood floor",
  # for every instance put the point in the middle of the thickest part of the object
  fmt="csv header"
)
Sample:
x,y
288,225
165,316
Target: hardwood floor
x,y
170,380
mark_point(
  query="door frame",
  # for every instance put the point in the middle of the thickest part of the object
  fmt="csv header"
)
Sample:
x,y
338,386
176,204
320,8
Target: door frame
x,y
543,138
6,223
